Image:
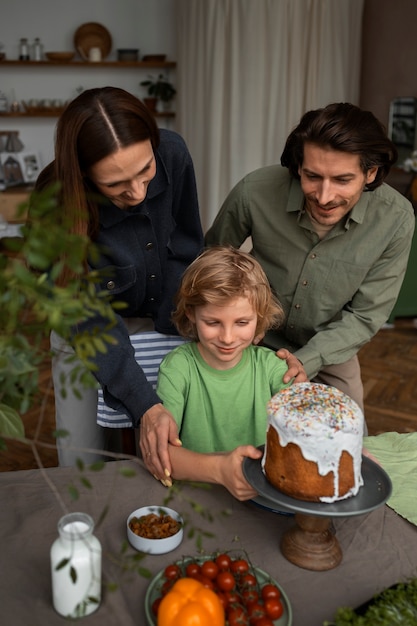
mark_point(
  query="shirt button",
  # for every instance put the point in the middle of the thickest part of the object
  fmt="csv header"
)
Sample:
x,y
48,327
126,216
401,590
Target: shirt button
x,y
297,306
305,283
111,285
152,276
151,299
149,245
313,256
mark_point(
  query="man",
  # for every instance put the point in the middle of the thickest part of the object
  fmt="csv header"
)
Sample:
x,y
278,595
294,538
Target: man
x,y
332,238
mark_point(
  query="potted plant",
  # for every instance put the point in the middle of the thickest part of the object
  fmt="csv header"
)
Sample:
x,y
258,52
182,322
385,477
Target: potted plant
x,y
32,304
158,89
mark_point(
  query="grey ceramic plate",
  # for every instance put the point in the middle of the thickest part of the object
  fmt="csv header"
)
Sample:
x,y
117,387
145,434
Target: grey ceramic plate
x,y
265,503
375,491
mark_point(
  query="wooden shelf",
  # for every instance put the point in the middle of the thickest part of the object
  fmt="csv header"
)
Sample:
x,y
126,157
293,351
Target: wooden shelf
x,y
80,64
57,113
88,64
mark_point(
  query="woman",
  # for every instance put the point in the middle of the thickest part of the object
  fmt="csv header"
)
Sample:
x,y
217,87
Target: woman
x,y
131,189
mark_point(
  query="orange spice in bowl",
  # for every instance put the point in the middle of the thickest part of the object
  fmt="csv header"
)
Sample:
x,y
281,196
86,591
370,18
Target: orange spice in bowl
x,y
155,529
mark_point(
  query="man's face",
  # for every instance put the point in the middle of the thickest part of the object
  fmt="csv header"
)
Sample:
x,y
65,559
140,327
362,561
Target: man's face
x,y
332,182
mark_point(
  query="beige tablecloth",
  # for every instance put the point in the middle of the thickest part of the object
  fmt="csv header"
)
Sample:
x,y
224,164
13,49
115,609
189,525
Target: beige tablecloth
x,y
379,548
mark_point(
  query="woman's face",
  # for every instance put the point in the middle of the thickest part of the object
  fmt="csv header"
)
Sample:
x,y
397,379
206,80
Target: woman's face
x,y
123,177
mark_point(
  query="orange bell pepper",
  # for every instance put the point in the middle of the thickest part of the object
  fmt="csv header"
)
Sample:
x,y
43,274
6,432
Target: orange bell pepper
x,y
189,603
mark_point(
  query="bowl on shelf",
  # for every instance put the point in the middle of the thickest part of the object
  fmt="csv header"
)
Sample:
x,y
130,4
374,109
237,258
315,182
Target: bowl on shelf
x,y
154,58
92,35
127,54
59,57
160,528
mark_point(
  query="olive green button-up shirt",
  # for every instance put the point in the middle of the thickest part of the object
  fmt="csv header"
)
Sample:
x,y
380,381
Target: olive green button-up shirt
x,y
336,292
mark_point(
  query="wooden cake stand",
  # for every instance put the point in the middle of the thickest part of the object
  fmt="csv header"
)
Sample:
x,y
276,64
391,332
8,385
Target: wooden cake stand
x,y
311,543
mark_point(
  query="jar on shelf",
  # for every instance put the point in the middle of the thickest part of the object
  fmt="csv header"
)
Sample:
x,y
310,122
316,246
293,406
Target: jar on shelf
x,y
23,49
37,50
76,567
4,103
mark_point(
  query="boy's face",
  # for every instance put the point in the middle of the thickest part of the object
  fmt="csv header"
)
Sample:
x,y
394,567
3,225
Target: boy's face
x,y
224,331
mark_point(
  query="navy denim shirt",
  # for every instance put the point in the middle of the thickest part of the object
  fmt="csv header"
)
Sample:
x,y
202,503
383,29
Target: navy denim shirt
x,y
144,251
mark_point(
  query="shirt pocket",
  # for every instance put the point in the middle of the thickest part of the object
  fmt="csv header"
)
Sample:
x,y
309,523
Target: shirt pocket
x,y
340,284
117,280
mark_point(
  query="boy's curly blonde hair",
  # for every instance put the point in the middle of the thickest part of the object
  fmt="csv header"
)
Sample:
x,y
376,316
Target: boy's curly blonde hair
x,y
218,275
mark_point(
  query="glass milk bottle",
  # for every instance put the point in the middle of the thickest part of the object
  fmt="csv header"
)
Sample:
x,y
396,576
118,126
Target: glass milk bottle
x,y
76,567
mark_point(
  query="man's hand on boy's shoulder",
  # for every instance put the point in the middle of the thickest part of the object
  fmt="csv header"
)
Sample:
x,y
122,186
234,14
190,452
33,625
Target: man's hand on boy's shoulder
x,y
295,367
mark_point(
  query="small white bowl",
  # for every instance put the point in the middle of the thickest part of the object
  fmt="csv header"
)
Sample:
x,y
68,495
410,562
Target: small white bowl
x,y
155,546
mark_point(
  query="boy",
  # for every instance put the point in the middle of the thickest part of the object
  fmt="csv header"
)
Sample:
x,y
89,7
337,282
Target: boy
x,y
217,385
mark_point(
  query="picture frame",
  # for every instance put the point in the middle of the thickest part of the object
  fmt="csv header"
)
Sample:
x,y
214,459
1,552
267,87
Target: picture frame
x,y
19,168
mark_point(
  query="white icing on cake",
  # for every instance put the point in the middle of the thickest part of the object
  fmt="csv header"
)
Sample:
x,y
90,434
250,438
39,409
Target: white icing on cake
x,y
323,422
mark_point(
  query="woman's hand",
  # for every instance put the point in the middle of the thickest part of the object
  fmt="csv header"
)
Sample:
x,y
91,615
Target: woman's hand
x,y
231,474
295,367
157,428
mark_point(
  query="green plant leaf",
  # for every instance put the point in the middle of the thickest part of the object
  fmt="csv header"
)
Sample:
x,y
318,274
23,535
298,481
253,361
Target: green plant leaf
x,y
73,492
11,424
127,472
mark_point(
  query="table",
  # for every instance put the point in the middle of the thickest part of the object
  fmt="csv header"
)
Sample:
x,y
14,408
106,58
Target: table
x,y
379,548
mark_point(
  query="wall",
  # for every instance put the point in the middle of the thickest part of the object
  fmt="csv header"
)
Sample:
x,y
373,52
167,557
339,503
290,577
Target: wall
x,y
389,54
144,24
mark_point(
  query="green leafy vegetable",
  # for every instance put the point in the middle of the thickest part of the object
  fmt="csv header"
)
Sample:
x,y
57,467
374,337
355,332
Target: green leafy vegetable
x,y
396,606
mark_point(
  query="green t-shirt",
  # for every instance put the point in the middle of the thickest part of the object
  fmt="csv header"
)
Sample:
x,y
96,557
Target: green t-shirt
x,y
217,410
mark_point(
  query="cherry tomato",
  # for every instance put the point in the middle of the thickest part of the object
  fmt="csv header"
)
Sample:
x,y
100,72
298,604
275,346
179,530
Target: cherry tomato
x,y
223,561
270,591
264,621
210,569
167,586
240,566
223,599
248,580
237,616
255,612
225,581
232,597
250,596
155,605
172,572
192,570
209,584
273,608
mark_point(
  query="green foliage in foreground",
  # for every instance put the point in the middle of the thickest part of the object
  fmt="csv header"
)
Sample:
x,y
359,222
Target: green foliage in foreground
x,y
32,305
396,606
